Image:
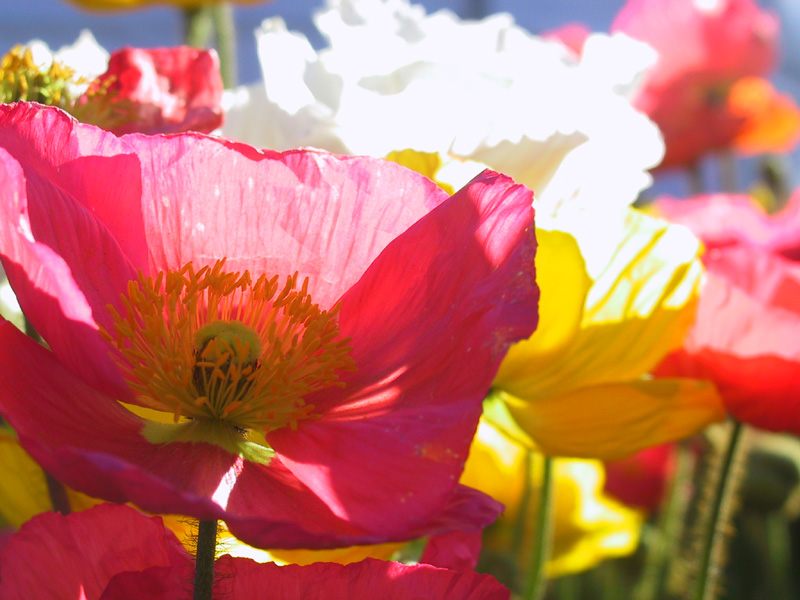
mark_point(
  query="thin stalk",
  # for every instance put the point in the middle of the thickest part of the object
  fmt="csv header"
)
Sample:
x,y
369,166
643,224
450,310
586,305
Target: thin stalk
x,y
773,174
225,27
669,531
779,553
713,536
524,505
204,560
537,581
728,177
197,26
696,184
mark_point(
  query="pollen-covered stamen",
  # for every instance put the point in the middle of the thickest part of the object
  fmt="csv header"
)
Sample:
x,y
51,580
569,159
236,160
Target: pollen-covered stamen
x,y
218,347
21,78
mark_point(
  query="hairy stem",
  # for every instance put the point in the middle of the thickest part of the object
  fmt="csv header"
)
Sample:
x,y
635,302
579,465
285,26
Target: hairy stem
x,y
669,532
204,561
713,532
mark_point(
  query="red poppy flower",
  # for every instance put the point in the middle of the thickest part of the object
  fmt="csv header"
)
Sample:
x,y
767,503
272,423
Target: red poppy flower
x,y
641,480
722,220
114,552
746,337
705,92
321,386
156,90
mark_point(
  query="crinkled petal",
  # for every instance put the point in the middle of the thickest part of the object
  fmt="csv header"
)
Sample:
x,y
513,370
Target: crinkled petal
x,y
325,216
613,420
429,323
75,556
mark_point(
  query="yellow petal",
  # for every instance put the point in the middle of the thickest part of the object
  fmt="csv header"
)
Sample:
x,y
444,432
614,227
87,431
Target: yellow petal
x,y
23,489
448,172
23,486
588,527
610,421
637,310
564,284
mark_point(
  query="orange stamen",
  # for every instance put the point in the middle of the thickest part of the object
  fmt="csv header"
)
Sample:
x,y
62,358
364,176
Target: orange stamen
x,y
217,346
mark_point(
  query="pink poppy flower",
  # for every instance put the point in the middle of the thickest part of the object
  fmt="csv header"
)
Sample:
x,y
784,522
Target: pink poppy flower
x,y
722,220
326,379
156,90
746,337
114,552
705,93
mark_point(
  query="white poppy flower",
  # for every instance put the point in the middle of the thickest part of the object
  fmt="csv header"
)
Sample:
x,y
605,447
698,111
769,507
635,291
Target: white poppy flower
x,y
85,57
394,77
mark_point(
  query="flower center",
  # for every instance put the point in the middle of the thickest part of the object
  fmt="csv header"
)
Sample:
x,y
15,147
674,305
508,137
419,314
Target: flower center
x,y
224,354
22,79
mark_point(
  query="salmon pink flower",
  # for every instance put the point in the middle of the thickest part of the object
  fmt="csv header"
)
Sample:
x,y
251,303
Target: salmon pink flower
x,y
723,220
124,554
707,92
309,336
745,337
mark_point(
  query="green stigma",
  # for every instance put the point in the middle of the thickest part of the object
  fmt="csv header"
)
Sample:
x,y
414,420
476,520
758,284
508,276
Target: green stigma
x,y
228,335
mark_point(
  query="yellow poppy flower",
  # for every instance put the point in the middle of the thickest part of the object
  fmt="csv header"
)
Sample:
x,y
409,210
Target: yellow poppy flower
x,y
588,526
134,4
579,386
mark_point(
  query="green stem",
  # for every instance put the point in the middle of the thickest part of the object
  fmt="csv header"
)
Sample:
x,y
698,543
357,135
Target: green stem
x,y
773,173
198,26
524,505
204,561
225,26
58,494
537,581
727,172
665,538
714,534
